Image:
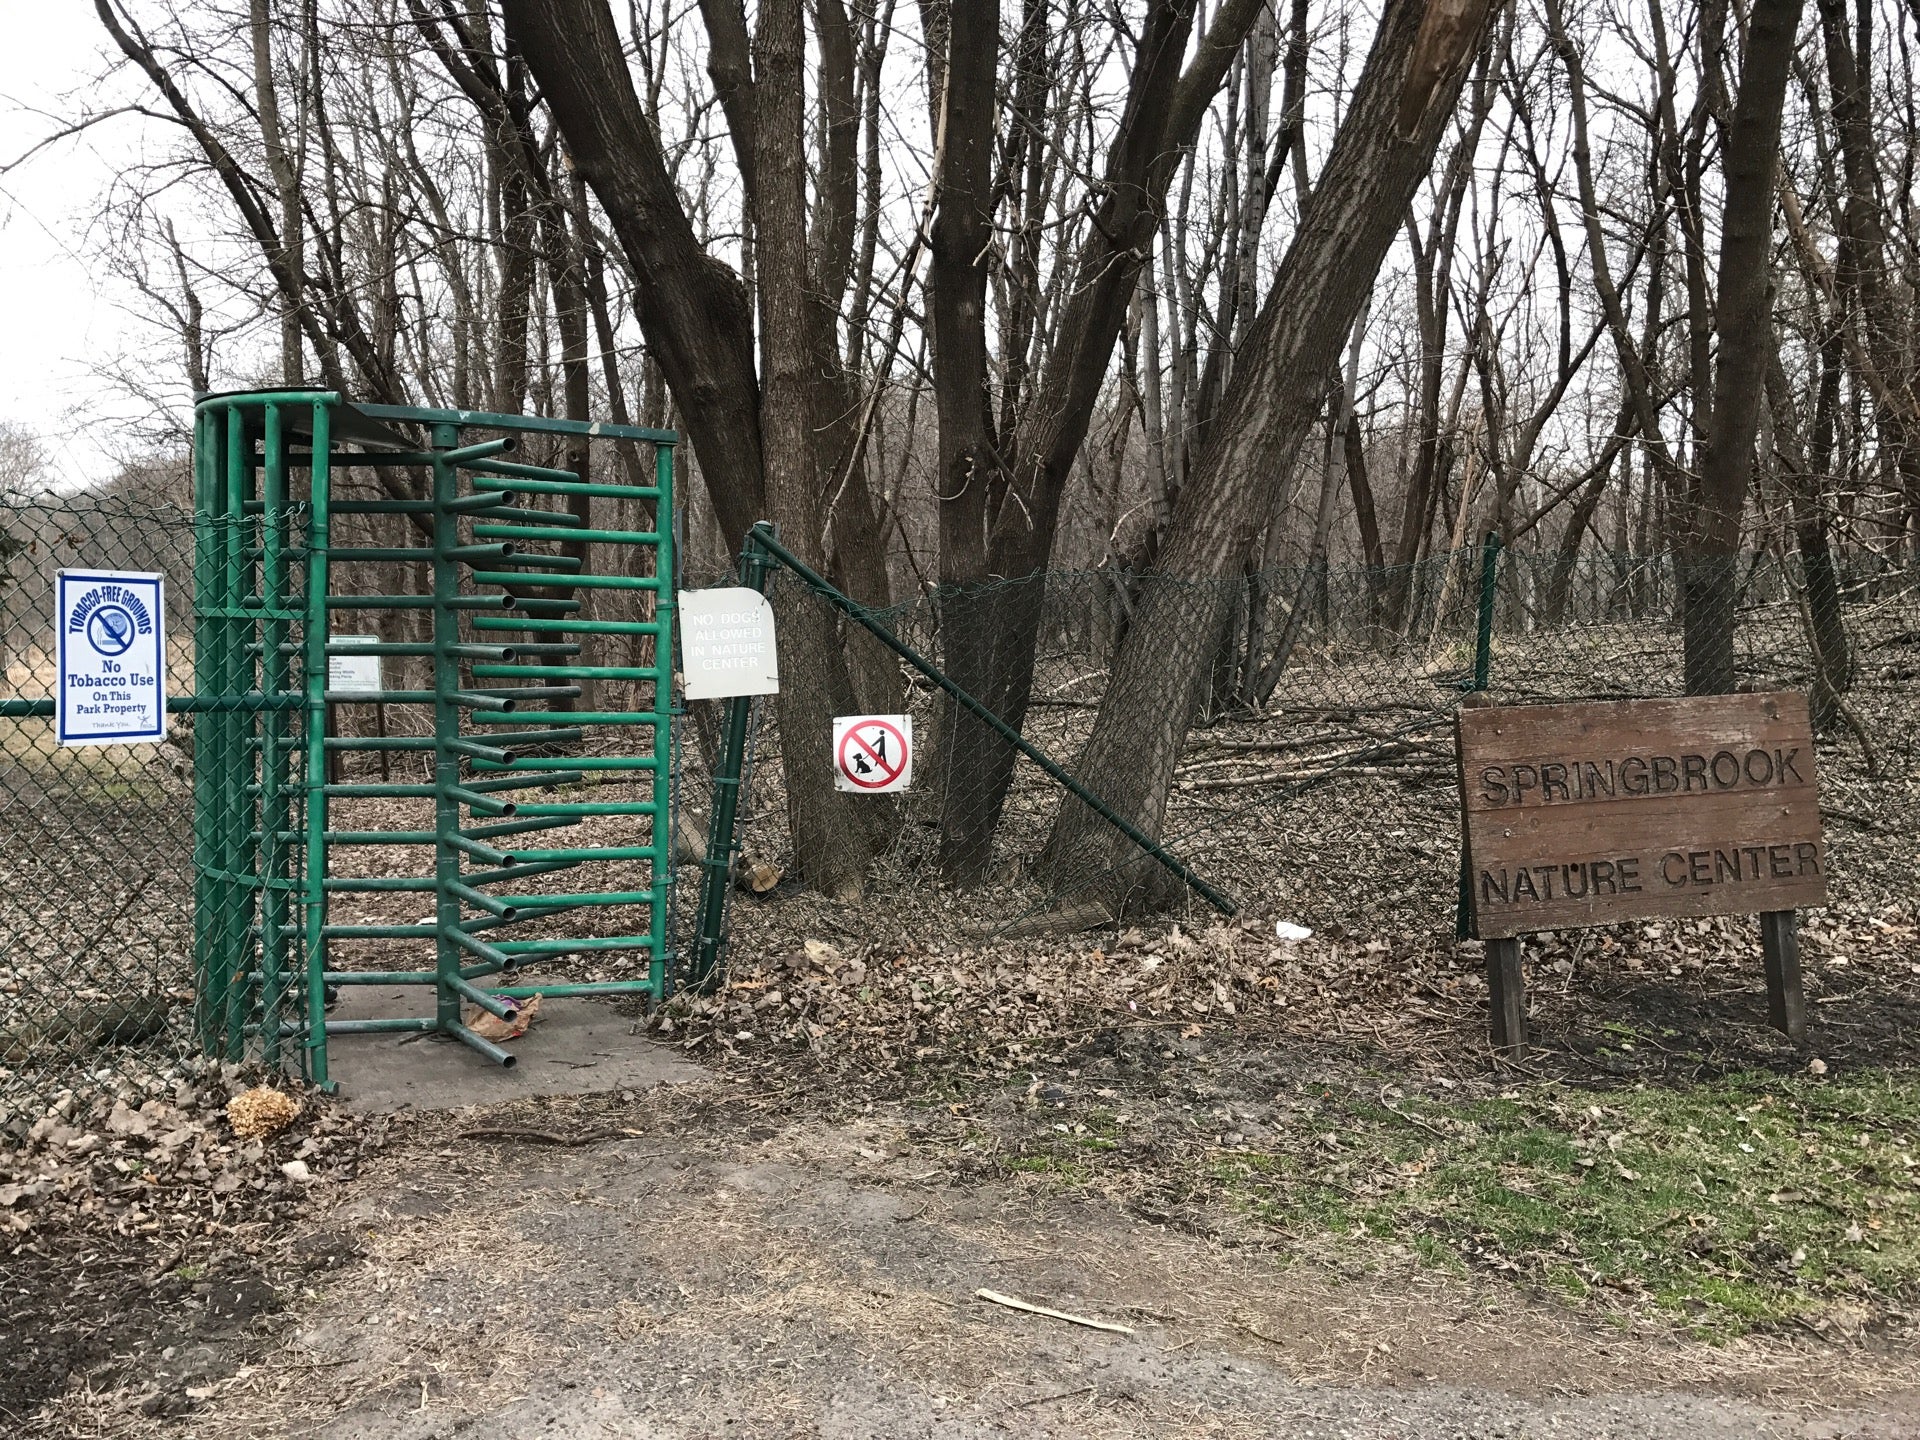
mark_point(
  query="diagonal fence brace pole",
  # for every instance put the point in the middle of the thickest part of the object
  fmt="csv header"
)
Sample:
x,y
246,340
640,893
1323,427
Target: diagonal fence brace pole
x,y
762,536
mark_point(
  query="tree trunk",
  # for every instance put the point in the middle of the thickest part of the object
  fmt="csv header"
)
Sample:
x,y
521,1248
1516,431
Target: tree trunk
x,y
692,308
995,659
1366,520
857,552
1567,554
1433,263
1861,267
566,277
1416,510
1314,580
957,314
693,311
1807,480
1382,151
513,315
829,835
1743,321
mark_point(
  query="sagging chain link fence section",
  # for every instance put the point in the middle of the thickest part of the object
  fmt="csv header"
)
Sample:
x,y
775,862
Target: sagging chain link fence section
x,y
1323,679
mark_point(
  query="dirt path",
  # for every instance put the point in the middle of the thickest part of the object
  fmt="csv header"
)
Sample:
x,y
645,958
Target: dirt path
x,y
728,1272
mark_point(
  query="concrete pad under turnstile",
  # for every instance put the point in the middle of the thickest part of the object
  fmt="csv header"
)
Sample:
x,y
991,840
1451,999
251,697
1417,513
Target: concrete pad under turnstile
x,y
579,1046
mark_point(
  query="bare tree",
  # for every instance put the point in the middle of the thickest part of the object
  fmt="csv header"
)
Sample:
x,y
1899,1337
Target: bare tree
x,y
1056,284
1019,498
23,461
1741,328
1401,106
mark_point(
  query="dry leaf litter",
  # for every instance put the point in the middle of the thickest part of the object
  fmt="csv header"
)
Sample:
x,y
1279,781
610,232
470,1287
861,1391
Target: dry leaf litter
x,y
134,1225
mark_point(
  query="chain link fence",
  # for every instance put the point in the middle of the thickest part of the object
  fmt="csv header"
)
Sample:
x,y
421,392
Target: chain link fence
x,y
96,842
1317,781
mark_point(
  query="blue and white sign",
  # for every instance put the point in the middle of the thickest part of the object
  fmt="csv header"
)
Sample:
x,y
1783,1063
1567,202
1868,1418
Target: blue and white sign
x,y
111,650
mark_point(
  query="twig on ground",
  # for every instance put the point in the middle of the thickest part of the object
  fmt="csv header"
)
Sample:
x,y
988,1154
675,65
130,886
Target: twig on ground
x,y
1258,1333
1409,1117
1048,1399
548,1137
1012,1304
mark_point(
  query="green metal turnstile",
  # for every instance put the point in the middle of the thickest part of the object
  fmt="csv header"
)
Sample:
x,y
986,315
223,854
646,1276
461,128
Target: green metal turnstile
x,y
543,727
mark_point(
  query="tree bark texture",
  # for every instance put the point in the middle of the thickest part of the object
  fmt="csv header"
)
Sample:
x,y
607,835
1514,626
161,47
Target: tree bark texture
x,y
828,828
998,626
1743,326
1806,476
754,430
962,232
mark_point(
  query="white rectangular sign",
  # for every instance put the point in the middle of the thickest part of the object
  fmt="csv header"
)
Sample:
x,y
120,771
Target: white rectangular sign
x,y
358,674
872,754
110,647
727,643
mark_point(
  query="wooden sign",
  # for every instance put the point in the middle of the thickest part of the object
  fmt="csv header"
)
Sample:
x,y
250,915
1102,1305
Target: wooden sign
x,y
1595,813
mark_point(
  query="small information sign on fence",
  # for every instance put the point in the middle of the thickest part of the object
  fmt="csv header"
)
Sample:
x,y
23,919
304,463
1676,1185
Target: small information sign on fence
x,y
354,674
1590,814
727,644
110,657
873,754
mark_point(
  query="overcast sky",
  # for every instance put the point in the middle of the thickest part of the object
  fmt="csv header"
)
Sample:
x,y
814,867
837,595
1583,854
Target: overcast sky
x,y
57,327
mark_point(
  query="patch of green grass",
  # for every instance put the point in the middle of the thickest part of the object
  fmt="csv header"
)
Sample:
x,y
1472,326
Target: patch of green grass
x,y
113,790
1059,1167
1562,1280
31,742
1436,1253
1742,1202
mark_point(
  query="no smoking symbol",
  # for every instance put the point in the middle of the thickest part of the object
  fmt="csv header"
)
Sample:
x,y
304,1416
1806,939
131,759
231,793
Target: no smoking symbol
x,y
873,754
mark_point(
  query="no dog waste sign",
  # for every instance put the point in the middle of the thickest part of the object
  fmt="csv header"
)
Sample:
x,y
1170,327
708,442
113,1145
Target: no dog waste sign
x,y
873,754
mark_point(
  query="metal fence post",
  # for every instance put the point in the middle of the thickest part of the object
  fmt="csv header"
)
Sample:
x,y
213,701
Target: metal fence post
x,y
314,634
663,819
209,755
716,867
446,730
1482,677
276,806
1489,590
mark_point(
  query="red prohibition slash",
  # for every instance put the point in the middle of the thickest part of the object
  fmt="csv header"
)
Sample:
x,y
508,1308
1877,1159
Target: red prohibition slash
x,y
887,772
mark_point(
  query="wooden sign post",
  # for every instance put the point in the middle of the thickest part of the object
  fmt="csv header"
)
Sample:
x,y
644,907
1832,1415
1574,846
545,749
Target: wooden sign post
x,y
1591,814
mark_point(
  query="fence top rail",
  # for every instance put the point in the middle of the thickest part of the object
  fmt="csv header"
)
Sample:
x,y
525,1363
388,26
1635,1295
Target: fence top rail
x,y
107,508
